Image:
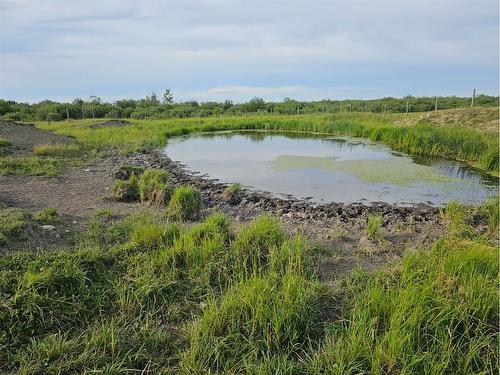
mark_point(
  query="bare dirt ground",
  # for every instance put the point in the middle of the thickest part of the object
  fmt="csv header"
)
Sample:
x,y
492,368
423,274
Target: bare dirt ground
x,y
337,229
25,136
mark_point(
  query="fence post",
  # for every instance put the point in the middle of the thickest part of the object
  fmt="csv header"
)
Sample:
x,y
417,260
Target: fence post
x,y
67,114
436,105
407,103
473,97
385,109
350,107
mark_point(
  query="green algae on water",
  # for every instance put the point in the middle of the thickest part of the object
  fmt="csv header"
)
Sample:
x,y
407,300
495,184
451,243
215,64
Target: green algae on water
x,y
397,170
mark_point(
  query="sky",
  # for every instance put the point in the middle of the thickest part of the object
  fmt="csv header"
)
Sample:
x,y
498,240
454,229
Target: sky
x,y
231,49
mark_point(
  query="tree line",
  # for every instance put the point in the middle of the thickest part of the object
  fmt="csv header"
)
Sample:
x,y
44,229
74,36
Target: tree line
x,y
153,107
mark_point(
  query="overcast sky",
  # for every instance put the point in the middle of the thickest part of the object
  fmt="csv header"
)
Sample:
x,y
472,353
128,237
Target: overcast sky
x,y
225,49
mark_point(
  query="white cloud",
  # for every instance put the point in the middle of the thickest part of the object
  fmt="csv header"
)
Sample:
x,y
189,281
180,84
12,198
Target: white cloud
x,y
117,48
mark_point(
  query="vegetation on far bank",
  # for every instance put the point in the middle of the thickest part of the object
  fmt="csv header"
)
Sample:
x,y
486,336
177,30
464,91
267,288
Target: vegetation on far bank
x,y
164,107
147,294
475,147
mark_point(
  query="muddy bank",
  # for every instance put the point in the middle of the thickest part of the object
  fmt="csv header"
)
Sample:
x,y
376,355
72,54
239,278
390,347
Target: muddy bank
x,y
288,207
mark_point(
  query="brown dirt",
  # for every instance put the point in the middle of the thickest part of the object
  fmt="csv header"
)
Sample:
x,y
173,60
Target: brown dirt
x,y
25,137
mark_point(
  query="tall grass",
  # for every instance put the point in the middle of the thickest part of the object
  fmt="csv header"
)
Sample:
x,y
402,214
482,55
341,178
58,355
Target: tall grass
x,y
144,294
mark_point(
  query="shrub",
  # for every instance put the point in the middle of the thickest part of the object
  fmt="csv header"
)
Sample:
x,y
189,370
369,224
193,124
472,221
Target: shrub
x,y
48,215
126,190
186,203
153,186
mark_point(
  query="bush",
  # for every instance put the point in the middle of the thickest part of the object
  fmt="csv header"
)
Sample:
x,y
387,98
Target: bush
x,y
48,215
153,186
126,190
186,203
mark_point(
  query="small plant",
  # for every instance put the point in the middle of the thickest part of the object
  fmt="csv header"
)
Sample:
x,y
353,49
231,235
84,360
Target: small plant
x,y
153,186
373,227
48,215
232,194
126,190
186,203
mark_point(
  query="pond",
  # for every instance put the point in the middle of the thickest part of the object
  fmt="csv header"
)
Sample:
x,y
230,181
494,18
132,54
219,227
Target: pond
x,y
329,169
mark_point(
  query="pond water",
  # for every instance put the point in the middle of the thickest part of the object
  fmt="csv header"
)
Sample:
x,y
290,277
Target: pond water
x,y
329,169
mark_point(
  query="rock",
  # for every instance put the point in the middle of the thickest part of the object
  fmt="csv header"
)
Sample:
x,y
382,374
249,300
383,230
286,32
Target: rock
x,y
48,227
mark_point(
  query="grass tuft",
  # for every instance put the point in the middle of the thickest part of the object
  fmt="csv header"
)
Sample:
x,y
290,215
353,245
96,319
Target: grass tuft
x,y
48,215
126,190
186,204
374,227
153,186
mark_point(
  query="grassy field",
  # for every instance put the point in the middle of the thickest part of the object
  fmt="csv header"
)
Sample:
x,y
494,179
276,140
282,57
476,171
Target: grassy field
x,y
152,293
474,146
145,294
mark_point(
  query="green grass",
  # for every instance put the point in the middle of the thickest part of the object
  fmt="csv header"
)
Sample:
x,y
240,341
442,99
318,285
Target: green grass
x,y
153,186
57,150
34,166
48,216
13,222
475,147
4,142
126,190
186,203
374,227
435,314
145,293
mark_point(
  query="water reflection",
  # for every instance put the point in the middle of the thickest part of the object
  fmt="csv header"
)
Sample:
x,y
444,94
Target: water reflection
x,y
329,169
